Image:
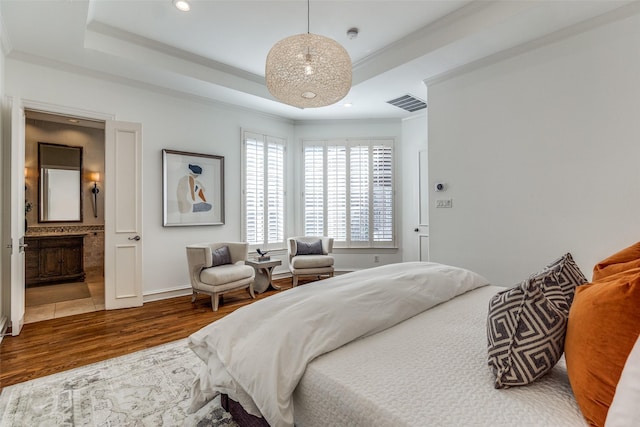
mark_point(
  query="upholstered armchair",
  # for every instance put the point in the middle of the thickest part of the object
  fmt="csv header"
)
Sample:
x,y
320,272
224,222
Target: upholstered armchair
x,y
217,268
309,256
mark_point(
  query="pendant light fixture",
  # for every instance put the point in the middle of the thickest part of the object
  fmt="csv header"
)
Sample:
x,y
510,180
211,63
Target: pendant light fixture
x,y
308,70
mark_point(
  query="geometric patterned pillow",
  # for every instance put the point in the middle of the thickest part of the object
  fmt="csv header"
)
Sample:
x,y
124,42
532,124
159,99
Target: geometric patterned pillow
x,y
526,330
567,275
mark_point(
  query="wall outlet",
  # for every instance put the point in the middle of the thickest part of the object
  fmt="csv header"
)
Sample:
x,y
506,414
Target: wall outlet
x,y
376,259
444,203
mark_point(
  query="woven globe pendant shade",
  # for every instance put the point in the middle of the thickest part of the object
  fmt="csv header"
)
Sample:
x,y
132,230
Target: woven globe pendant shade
x,y
308,71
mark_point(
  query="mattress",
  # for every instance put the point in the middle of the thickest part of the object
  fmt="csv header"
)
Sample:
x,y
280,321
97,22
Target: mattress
x,y
430,370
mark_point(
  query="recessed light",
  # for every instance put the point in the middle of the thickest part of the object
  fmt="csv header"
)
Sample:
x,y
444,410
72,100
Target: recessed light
x,y
73,121
348,105
182,5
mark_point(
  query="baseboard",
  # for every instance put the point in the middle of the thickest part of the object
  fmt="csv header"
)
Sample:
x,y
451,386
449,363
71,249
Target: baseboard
x,y
179,291
286,275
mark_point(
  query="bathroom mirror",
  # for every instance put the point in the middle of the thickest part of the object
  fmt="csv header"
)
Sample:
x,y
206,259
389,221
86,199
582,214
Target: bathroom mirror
x,y
59,183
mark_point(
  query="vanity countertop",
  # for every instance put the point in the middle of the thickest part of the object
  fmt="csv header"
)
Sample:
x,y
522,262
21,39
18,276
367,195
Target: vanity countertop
x,y
55,234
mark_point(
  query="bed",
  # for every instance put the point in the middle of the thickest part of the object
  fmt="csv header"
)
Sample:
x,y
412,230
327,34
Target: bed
x,y
397,345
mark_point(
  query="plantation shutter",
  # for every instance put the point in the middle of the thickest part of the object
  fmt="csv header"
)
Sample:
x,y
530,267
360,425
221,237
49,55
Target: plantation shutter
x,y
264,192
336,175
349,191
359,197
382,193
314,192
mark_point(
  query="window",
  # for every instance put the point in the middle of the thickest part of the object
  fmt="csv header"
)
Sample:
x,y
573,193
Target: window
x,y
348,191
264,192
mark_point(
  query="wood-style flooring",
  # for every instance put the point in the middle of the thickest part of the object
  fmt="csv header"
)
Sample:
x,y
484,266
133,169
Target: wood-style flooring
x,y
55,345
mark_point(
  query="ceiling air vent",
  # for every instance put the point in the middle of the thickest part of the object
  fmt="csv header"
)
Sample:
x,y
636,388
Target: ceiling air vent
x,y
408,103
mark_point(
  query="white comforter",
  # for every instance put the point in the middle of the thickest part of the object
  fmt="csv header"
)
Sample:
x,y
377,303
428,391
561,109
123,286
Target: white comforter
x,y
258,353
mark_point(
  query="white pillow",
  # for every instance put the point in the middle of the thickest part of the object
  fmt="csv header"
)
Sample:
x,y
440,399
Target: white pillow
x,y
625,408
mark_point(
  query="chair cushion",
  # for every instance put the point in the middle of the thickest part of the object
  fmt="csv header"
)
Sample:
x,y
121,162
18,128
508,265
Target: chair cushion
x,y
311,261
309,248
220,256
226,273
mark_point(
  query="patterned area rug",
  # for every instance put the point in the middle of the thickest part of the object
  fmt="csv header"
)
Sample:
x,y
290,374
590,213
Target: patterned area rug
x,y
147,388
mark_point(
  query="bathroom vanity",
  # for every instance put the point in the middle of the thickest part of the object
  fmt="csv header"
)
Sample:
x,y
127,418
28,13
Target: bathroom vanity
x,y
54,259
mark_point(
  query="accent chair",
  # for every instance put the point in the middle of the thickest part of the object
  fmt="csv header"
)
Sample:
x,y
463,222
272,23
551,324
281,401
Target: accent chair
x,y
218,268
310,256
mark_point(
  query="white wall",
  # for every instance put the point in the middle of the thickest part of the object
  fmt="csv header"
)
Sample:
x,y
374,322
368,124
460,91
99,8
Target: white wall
x,y
541,155
167,122
352,258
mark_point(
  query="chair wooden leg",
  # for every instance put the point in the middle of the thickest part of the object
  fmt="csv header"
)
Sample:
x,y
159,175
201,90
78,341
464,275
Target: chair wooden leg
x,y
214,301
193,297
295,280
251,291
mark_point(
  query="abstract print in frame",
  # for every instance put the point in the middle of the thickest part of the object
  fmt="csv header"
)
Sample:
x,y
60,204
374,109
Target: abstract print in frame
x,y
193,189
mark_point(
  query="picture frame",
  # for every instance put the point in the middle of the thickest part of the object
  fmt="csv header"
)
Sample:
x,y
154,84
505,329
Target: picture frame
x,y
192,189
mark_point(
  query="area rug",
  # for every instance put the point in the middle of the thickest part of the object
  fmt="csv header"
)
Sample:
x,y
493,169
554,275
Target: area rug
x,y
50,294
147,388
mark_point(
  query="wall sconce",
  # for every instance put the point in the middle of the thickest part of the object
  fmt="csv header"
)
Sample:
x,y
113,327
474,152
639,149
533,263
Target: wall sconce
x,y
95,177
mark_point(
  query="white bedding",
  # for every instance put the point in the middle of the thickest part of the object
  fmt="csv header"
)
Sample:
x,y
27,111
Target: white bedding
x,y
430,370
258,353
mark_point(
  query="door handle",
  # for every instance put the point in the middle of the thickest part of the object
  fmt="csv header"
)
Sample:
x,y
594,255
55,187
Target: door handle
x,y
21,245
136,238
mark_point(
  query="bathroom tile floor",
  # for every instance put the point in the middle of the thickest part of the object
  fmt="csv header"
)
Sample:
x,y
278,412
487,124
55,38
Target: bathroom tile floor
x,y
68,308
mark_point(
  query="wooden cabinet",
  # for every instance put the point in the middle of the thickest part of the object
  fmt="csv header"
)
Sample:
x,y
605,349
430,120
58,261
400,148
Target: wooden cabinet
x,y
54,259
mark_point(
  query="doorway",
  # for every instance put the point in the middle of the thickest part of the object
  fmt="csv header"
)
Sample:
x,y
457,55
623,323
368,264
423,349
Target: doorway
x,y
64,259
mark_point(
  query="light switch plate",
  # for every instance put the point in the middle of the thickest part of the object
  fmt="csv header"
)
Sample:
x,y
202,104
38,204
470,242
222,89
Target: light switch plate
x,y
444,203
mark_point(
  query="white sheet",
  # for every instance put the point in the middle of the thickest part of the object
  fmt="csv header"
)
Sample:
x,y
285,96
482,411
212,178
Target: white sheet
x,y
430,370
258,353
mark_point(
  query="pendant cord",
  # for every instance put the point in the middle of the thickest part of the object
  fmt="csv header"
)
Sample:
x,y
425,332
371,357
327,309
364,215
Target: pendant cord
x,y
308,19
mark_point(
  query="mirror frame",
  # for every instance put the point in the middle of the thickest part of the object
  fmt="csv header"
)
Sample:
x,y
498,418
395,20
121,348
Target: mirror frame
x,y
80,186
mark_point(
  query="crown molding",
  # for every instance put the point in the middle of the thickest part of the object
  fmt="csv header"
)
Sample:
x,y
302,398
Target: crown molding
x,y
175,93
108,31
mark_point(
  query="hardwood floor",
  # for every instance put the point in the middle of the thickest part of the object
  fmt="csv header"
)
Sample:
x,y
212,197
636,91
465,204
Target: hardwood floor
x,y
55,345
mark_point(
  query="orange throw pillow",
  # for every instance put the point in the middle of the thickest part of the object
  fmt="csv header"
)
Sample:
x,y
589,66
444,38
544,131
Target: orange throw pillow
x,y
626,259
604,323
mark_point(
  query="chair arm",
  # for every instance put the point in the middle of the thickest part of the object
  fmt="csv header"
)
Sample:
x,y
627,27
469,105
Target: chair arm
x,y
199,258
293,247
327,245
239,251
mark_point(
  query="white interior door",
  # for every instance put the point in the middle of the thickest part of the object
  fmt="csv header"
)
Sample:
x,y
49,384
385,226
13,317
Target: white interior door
x,y
17,216
423,188
123,215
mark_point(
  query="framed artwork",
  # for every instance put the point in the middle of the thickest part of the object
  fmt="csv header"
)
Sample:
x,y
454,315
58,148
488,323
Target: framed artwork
x,y
192,189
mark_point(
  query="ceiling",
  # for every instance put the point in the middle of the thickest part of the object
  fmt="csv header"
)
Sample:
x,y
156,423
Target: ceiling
x,y
217,50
